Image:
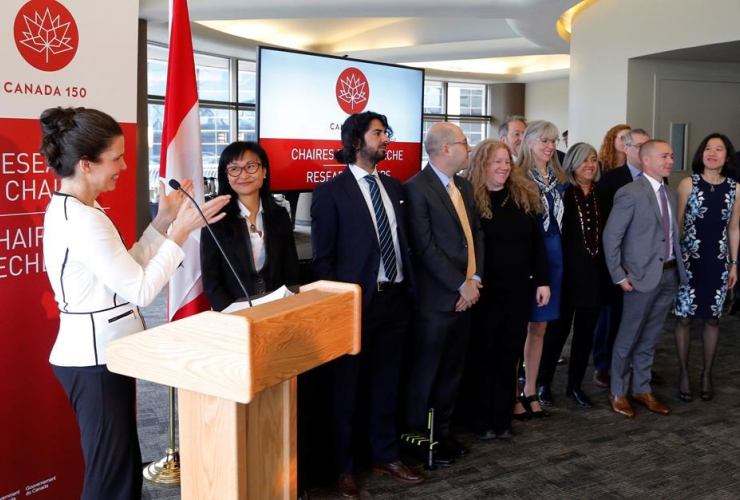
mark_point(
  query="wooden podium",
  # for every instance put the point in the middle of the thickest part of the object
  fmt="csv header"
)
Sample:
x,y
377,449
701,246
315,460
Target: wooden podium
x,y
236,375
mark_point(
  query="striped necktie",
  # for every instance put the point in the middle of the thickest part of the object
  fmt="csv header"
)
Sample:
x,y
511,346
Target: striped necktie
x,y
387,250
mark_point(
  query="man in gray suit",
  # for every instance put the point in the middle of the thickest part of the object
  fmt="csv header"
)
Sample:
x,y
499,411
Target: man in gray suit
x,y
644,259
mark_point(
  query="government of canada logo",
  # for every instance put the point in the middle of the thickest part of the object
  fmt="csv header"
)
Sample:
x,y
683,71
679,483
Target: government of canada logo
x,y
353,91
46,34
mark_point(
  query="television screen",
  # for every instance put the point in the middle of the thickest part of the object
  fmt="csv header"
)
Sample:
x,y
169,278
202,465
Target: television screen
x,y
304,98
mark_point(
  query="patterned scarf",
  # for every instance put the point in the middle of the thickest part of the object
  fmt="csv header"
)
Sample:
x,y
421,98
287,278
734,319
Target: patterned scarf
x,y
545,188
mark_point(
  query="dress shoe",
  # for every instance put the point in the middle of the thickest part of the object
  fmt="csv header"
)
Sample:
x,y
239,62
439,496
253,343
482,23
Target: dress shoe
x,y
651,403
453,447
525,415
544,395
686,397
347,486
577,394
527,401
621,405
398,471
486,435
708,393
602,379
505,435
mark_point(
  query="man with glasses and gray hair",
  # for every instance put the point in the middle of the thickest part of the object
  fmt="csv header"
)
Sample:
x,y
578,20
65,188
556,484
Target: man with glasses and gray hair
x,y
511,132
609,184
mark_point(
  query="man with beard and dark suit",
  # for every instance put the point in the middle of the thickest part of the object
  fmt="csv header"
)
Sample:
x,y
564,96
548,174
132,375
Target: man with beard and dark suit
x,y
610,183
644,258
447,250
358,236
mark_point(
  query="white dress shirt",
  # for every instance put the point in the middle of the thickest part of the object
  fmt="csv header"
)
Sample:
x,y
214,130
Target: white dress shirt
x,y
656,186
359,174
256,239
96,281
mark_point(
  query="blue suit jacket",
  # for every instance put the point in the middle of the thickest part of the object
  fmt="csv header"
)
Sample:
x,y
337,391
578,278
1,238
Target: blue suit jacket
x,y
343,237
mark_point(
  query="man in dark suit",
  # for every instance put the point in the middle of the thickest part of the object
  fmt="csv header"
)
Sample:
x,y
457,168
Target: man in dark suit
x,y
447,249
610,183
358,236
644,258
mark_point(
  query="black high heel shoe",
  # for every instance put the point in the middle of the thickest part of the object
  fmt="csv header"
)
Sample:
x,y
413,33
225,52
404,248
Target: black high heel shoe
x,y
522,416
527,401
686,397
707,395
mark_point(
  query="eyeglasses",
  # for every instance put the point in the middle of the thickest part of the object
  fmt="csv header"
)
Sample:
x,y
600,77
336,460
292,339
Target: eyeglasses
x,y
464,143
236,170
638,145
545,142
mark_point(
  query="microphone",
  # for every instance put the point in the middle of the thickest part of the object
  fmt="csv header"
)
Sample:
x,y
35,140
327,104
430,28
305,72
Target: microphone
x,y
176,186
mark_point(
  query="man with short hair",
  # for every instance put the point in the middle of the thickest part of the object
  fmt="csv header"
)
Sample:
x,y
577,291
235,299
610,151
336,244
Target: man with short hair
x,y
609,184
644,258
447,249
511,132
358,235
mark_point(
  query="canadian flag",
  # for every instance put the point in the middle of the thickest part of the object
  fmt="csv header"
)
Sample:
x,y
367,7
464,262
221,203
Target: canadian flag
x,y
181,155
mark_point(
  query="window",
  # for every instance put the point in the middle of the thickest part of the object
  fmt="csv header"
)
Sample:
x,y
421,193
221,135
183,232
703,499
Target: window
x,y
247,82
212,75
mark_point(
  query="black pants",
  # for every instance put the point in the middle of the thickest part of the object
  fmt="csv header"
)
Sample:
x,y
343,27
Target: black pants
x,y
439,350
496,345
371,374
583,320
105,406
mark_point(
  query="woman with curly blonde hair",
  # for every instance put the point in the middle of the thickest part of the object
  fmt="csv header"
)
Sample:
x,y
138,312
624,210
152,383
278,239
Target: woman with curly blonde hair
x,y
611,154
508,203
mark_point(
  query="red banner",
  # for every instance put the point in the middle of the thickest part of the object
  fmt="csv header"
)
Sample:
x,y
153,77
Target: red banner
x,y
300,164
39,438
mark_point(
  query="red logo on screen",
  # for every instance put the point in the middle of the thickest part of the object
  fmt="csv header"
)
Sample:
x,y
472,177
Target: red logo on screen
x,y
46,35
353,91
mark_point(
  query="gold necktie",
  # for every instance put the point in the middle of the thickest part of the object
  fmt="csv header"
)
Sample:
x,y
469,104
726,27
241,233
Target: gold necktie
x,y
459,204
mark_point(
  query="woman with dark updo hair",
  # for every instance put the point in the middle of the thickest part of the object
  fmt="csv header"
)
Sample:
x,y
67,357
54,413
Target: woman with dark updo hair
x,y
98,285
256,233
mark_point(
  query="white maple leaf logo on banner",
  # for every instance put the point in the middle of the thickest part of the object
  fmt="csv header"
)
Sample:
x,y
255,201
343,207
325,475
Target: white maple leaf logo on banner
x,y
46,34
352,91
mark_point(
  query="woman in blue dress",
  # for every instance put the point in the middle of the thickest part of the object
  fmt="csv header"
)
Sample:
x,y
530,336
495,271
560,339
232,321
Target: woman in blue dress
x,y
711,231
538,159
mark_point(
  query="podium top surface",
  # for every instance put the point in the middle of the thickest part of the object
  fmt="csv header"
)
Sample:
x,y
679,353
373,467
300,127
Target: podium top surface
x,y
235,356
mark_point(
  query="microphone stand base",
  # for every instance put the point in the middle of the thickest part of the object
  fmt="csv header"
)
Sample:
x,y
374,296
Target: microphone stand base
x,y
166,471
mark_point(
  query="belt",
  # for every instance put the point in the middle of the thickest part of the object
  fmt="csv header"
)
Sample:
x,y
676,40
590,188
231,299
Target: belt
x,y
383,286
670,264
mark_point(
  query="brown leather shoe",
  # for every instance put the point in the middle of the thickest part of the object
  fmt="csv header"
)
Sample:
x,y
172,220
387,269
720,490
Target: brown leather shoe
x,y
398,471
602,379
347,486
651,403
621,405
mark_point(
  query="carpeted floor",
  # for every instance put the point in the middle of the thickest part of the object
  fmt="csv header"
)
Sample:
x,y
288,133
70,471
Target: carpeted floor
x,y
576,454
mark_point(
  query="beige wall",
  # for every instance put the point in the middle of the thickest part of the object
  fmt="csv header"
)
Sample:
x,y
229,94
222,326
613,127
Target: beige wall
x,y
547,100
607,33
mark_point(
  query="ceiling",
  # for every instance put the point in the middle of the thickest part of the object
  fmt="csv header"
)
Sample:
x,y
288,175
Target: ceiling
x,y
485,40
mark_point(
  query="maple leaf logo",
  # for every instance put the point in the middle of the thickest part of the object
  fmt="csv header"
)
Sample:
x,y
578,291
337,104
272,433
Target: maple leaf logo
x,y
353,90
46,35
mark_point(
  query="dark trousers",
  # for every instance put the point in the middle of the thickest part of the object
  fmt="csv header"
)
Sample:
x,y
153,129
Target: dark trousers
x,y
371,374
105,406
606,331
583,320
496,345
439,350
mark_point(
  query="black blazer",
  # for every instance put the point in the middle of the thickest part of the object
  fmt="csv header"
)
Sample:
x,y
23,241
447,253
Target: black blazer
x,y
343,236
610,183
281,258
438,243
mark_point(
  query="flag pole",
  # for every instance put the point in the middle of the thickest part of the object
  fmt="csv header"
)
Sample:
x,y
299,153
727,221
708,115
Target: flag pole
x,y
166,471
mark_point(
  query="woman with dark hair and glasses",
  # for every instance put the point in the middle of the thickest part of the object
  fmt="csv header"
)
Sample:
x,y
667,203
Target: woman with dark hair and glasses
x,y
256,234
710,218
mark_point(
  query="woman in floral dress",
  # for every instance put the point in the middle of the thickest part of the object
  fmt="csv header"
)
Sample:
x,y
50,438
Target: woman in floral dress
x,y
711,231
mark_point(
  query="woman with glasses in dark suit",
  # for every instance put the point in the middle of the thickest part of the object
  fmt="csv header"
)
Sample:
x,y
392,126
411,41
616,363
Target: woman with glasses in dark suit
x,y
256,234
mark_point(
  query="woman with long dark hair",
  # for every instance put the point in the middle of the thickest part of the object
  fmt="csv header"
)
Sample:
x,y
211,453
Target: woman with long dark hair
x,y
710,218
256,234
98,285
508,203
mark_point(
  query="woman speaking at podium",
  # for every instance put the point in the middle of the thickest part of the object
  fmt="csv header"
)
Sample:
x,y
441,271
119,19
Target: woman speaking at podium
x,y
256,233
98,285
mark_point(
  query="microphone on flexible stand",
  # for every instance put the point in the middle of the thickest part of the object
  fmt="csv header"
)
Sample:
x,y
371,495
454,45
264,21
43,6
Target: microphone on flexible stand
x,y
176,185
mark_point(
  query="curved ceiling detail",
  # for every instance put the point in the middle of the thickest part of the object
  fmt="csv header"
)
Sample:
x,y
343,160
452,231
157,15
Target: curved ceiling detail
x,y
471,37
